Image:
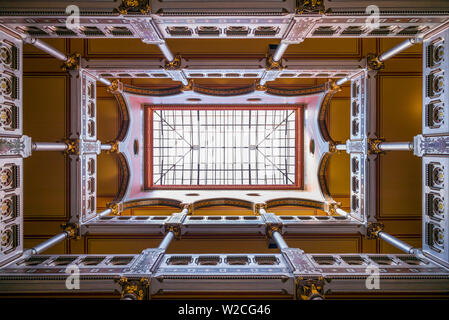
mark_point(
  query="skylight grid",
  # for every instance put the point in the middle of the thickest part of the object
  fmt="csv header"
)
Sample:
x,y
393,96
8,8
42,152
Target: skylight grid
x,y
213,147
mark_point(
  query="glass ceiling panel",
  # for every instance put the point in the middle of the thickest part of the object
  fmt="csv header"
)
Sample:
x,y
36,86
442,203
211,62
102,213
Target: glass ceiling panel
x,y
224,147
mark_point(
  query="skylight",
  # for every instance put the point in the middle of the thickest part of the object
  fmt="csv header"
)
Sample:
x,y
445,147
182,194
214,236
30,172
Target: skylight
x,y
223,147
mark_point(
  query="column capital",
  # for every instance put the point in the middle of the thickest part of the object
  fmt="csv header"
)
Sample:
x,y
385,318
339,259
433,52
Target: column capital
x,y
373,62
114,147
373,145
175,64
333,86
258,206
373,229
72,230
116,207
310,6
271,64
72,62
331,208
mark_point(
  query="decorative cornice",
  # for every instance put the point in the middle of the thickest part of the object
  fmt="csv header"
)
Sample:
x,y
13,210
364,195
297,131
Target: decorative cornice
x,y
373,146
116,207
134,6
72,147
271,64
72,62
259,87
134,289
373,62
333,86
332,209
115,87
310,289
189,86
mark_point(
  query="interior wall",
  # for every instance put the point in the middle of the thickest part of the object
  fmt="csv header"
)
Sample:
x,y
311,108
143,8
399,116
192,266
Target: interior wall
x,y
46,97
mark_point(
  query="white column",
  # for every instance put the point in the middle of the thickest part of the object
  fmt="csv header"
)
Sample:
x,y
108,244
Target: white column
x,y
46,48
166,51
49,146
395,146
397,49
280,50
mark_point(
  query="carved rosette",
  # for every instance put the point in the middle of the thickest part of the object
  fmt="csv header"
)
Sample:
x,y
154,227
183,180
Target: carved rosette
x,y
189,86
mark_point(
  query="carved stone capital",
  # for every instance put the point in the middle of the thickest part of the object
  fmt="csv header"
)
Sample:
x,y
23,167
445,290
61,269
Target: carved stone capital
x,y
310,289
72,230
373,229
273,228
271,64
72,147
332,208
176,229
373,62
134,6
116,207
189,86
260,87
333,86
373,146
189,207
72,62
175,64
134,289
